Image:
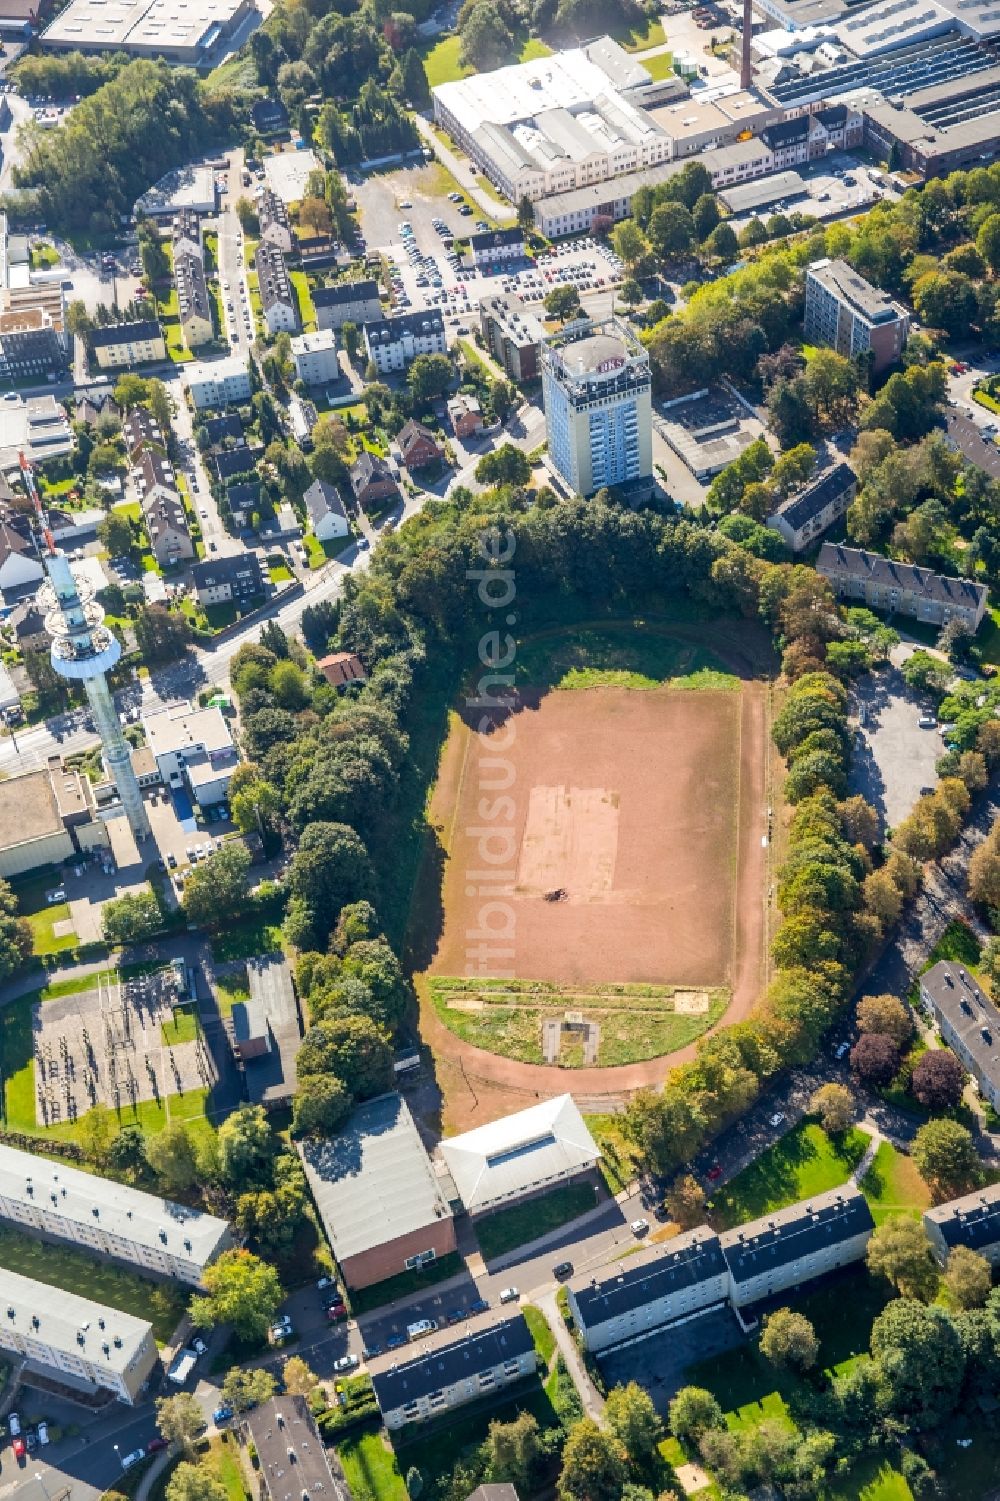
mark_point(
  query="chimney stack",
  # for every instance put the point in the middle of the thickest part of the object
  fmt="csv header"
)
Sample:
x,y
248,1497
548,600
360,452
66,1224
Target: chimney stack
x,y
746,67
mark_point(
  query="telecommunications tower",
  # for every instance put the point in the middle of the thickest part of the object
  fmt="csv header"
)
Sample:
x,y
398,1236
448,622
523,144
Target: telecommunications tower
x,y
84,650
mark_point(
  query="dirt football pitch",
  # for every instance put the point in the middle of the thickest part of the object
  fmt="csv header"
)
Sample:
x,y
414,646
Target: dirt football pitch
x,y
602,836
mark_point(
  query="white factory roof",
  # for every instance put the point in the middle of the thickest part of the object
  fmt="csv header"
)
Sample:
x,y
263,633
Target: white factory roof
x,y
162,1225
162,25
188,187
181,729
286,172
890,24
565,80
39,1311
511,1156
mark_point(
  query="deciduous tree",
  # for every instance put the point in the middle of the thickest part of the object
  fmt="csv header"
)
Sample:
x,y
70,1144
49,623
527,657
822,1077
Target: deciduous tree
x,y
900,1251
789,1340
241,1290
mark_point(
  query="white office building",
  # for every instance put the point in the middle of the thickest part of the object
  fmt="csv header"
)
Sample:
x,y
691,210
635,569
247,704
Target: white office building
x,y
598,413
315,357
110,1219
83,1344
192,748
218,383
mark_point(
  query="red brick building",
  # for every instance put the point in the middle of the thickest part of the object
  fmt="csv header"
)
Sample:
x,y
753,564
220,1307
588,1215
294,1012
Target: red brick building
x,y
418,446
378,1195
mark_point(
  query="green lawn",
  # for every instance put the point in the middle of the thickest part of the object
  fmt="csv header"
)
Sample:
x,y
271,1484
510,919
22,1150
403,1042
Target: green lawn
x,y
597,655
307,312
441,62
635,40
872,1479
617,1166
660,65
892,1185
225,1461
229,989
244,940
183,1026
278,573
541,1333
42,918
405,1284
371,1470
73,1269
510,1228
806,1161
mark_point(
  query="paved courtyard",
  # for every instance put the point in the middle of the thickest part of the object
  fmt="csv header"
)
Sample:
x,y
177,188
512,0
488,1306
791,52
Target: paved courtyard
x,y
660,1362
108,1045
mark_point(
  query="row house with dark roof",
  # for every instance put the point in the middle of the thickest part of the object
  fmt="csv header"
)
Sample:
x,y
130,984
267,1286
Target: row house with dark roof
x,y
343,302
972,1221
140,430
658,1286
193,306
681,1279
279,301
451,1369
162,508
783,1250
497,247
901,588
803,518
273,218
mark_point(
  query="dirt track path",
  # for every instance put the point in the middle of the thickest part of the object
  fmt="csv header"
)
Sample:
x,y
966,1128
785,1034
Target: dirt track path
x,y
749,945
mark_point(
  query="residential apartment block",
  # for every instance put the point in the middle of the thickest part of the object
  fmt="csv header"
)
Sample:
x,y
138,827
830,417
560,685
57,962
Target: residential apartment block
x,y
968,1021
972,1221
162,508
316,358
393,343
630,1299
354,302
802,519
292,1456
70,1339
219,383
185,234
273,217
901,588
495,247
110,1219
193,305
794,1245
445,1372
279,301
123,344
31,347
512,334
850,315
596,388
237,579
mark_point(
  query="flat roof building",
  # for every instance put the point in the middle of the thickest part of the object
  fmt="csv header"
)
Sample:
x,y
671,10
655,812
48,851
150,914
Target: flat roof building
x,y
377,1194
796,1244
513,334
111,1219
853,317
173,29
520,1155
901,588
46,817
972,1221
293,1458
449,1369
267,1032
968,1021
194,749
632,1298
86,1345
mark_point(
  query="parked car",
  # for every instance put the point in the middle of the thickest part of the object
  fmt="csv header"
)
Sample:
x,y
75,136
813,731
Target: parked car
x,y
777,1119
927,722
395,1341
128,1460
43,1433
562,1269
336,1311
346,1363
509,1295
19,1449
222,1415
639,1227
155,1445
420,1328
479,1306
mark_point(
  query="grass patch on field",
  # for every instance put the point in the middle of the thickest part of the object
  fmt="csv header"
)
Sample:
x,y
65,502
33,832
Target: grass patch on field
x,y
541,1333
509,1228
279,573
371,1470
893,1186
307,312
442,64
182,1027
660,65
804,1162
244,940
76,1271
872,1478
617,1165
957,943
405,1284
226,1464
42,917
506,1016
637,39
594,657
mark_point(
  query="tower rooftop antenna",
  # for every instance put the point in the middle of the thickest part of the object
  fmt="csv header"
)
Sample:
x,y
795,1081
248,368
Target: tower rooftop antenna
x,y
84,650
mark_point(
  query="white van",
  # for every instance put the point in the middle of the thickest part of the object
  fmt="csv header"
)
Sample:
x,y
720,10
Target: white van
x,y
420,1328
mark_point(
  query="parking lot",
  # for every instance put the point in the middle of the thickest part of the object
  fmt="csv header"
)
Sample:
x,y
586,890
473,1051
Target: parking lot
x,y
660,1362
894,757
838,185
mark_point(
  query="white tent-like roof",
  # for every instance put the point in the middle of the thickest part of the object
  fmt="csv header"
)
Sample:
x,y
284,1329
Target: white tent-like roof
x,y
501,1162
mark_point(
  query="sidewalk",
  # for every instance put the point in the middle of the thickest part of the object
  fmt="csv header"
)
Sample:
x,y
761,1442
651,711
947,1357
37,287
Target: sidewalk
x,y
593,1402
489,205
